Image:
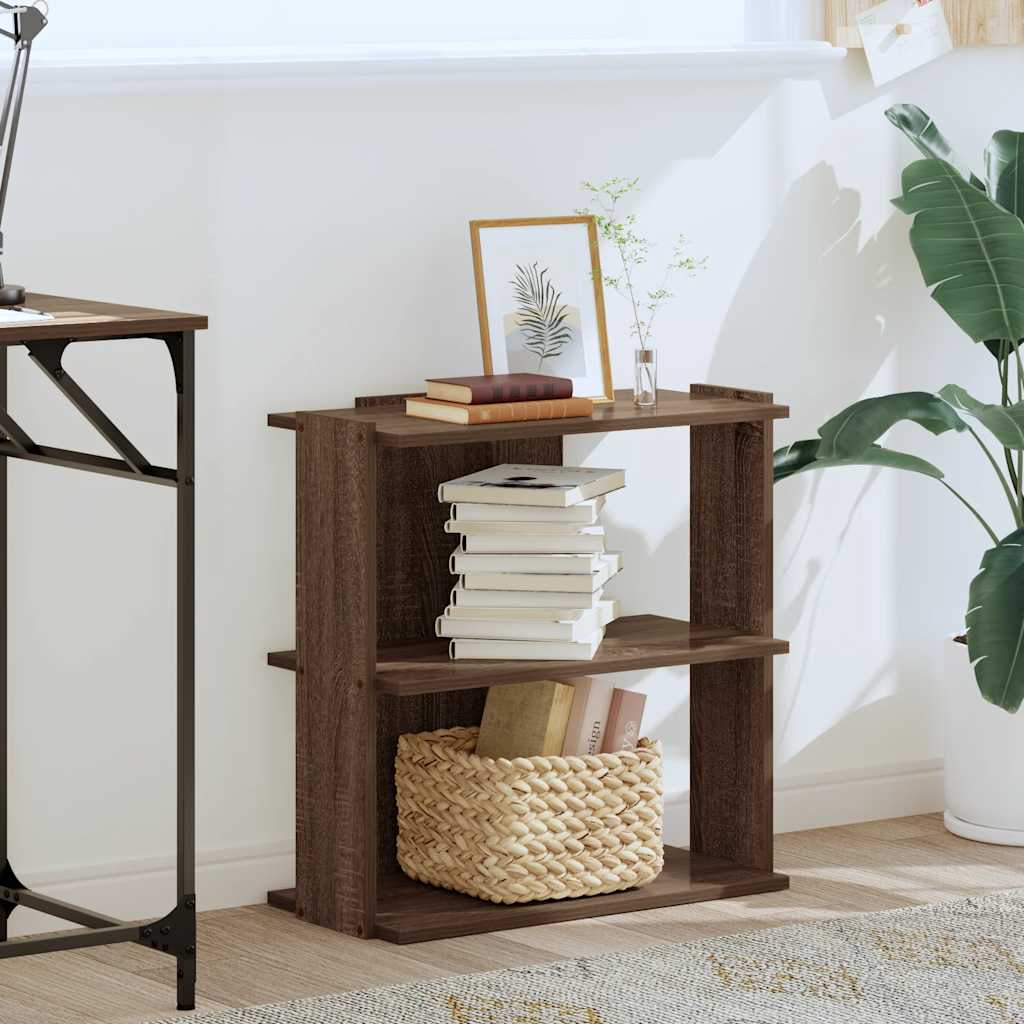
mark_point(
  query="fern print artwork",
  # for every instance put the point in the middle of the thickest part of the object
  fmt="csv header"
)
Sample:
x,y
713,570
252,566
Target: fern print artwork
x,y
542,319
540,300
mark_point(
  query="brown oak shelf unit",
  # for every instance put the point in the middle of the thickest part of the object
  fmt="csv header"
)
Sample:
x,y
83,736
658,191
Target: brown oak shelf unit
x,y
372,575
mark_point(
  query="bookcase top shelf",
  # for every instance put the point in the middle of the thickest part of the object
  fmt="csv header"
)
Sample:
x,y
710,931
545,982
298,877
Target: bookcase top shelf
x,y
632,643
393,429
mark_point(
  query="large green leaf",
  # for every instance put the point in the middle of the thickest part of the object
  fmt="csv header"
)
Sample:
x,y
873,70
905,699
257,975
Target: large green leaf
x,y
925,135
969,247
995,623
1004,169
803,455
1005,422
864,422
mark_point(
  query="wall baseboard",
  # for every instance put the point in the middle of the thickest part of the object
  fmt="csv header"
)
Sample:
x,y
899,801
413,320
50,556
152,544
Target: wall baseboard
x,y
131,890
241,876
837,798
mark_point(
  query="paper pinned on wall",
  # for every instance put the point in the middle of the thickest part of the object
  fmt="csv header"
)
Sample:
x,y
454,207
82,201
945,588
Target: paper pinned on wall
x,y
900,35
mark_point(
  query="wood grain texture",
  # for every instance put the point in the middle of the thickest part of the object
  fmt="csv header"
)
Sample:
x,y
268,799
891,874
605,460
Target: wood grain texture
x,y
336,708
675,409
410,912
971,22
731,586
631,643
985,22
87,320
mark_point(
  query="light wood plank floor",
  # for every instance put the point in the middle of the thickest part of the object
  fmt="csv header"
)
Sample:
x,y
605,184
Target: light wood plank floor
x,y
258,955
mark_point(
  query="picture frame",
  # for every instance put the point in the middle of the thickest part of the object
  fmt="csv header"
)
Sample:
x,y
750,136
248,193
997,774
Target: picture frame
x,y
540,300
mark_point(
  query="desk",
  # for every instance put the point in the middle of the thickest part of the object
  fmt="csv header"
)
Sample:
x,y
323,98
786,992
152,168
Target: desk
x,y
80,321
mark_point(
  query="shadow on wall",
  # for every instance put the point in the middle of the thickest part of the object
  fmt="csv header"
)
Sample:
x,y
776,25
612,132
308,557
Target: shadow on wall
x,y
832,312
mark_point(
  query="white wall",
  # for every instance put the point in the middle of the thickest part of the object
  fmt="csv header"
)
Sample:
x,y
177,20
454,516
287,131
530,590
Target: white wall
x,y
323,228
323,23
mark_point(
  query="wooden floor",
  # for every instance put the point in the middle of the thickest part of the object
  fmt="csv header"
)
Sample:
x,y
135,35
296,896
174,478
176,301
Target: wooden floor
x,y
258,955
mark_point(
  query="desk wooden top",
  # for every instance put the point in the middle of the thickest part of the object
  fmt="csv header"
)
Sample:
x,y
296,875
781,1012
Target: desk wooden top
x,y
84,319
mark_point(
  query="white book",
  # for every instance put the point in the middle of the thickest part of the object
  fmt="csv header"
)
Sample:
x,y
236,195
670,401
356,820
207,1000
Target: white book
x,y
496,529
588,718
516,544
462,562
575,627
519,600
550,486
607,611
611,563
526,650
585,513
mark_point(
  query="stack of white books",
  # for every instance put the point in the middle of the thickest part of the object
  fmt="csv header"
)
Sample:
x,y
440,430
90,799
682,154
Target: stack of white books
x,y
531,563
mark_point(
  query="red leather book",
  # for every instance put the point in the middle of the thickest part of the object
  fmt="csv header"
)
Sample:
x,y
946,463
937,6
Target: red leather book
x,y
502,387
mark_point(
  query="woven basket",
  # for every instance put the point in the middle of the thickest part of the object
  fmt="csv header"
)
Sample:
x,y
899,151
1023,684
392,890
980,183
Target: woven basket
x,y
536,828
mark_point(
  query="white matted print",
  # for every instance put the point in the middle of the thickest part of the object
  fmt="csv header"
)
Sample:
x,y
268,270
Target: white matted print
x,y
541,300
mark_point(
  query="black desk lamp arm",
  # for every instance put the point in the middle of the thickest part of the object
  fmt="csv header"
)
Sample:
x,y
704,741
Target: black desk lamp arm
x,y
28,23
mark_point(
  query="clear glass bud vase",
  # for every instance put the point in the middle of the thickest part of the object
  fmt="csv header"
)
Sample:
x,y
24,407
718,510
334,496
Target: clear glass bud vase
x,y
645,386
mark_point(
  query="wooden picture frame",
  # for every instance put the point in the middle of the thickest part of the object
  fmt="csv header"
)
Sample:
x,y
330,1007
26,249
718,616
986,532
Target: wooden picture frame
x,y
576,335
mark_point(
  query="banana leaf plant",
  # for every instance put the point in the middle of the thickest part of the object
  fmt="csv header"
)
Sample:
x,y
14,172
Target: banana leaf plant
x,y
968,237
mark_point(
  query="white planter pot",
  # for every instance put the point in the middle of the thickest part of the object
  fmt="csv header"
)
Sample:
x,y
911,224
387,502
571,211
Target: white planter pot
x,y
984,760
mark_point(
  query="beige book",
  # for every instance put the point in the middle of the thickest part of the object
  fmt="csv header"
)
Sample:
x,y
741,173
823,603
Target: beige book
x,y
525,719
592,699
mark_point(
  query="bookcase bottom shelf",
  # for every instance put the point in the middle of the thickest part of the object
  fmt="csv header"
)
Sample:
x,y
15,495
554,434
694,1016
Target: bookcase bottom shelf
x,y
410,912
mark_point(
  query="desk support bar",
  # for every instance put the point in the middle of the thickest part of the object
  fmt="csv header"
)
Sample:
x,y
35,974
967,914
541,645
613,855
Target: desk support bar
x,y
48,356
18,438
90,463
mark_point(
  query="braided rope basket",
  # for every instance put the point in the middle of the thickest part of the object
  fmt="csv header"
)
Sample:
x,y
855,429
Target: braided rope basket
x,y
536,828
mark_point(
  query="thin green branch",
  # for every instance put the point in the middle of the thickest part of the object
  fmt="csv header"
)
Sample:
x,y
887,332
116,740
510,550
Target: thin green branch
x,y
970,508
1004,381
1007,490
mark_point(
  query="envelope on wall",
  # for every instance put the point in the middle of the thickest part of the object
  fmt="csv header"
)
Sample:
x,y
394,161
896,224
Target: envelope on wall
x,y
900,35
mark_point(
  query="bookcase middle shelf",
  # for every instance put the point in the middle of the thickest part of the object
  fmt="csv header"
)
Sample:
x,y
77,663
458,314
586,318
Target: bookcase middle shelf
x,y
631,643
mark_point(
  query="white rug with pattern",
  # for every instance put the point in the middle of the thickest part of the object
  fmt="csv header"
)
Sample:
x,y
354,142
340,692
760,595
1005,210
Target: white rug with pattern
x,y
960,962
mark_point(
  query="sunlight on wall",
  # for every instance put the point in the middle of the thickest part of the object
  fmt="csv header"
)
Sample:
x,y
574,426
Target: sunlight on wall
x,y
324,24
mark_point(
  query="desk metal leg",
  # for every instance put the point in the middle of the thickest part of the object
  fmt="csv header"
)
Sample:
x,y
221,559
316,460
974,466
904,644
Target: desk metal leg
x,y
184,360
175,933
4,908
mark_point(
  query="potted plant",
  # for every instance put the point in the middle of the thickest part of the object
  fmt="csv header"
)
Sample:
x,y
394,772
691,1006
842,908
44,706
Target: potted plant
x,y
968,238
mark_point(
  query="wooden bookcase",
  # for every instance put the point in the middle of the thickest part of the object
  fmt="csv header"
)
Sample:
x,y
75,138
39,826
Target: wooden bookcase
x,y
372,575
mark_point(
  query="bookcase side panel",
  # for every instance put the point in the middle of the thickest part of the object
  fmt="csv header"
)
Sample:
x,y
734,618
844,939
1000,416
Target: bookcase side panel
x,y
731,585
336,831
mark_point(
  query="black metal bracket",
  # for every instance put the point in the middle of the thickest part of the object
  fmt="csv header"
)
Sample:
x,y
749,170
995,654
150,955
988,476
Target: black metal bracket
x,y
48,356
132,465
175,933
10,890
176,348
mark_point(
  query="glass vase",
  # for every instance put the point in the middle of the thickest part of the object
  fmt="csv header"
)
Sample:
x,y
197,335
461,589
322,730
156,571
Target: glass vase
x,y
645,386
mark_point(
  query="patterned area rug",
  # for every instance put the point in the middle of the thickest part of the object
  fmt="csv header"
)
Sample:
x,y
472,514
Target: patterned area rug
x,y
957,962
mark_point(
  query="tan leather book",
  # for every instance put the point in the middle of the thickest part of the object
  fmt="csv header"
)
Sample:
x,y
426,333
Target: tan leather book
x,y
501,412
498,387
525,719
